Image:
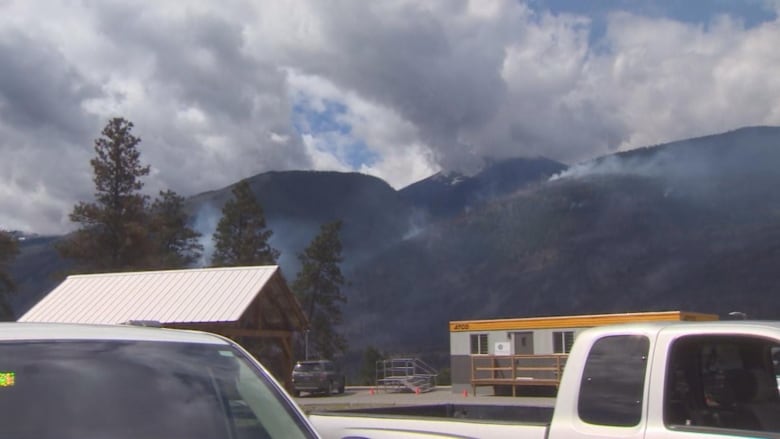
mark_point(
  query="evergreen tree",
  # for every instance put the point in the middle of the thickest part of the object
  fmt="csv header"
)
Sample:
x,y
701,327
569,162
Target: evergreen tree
x,y
175,244
318,287
371,356
112,233
241,237
8,251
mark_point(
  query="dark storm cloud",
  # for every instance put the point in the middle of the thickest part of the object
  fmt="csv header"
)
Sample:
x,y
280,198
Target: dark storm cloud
x,y
43,128
39,89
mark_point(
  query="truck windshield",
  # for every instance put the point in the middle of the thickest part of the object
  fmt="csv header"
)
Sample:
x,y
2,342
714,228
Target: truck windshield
x,y
138,390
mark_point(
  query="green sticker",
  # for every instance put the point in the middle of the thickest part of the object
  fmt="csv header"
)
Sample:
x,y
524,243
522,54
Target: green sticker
x,y
7,379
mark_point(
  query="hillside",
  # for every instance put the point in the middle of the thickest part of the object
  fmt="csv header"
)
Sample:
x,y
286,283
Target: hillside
x,y
296,203
691,225
447,194
36,270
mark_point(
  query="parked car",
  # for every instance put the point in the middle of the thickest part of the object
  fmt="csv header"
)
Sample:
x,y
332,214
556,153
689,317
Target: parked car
x,y
122,382
317,376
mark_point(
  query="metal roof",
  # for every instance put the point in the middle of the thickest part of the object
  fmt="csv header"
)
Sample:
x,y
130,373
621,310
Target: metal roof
x,y
204,295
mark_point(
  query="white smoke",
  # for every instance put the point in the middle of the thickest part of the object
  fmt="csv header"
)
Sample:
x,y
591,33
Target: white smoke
x,y
653,164
206,220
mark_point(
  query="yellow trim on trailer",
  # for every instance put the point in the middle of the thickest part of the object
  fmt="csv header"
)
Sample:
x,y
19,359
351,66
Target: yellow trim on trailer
x,y
581,321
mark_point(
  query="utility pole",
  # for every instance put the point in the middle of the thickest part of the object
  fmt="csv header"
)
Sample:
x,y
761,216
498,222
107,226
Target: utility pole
x,y
306,344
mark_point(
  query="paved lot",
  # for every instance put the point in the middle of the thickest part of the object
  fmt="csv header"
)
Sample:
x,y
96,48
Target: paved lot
x,y
360,397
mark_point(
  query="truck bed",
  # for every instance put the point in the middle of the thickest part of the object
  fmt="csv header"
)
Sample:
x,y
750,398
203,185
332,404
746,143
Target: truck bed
x,y
441,420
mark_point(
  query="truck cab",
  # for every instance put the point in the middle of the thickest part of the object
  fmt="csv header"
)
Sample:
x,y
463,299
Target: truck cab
x,y
68,381
671,380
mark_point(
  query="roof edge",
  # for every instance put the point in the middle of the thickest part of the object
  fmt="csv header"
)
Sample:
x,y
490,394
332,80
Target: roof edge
x,y
181,270
576,321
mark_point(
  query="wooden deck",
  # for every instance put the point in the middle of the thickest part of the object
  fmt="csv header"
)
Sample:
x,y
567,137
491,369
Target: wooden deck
x,y
516,370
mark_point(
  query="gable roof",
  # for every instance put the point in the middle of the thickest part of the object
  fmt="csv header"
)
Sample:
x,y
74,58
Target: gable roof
x,y
207,295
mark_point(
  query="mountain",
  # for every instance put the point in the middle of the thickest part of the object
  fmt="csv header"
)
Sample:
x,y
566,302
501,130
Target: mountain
x,y
447,194
296,203
691,225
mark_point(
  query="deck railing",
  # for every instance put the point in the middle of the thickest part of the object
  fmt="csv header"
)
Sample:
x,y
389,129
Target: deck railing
x,y
516,370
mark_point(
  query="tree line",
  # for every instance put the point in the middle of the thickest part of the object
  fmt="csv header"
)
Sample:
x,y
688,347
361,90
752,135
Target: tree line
x,y
8,251
123,230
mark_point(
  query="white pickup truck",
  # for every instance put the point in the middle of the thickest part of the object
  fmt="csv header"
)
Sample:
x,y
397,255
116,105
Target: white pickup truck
x,y
62,381
655,380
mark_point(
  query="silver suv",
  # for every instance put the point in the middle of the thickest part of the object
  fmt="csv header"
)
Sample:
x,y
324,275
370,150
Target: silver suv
x,y
317,376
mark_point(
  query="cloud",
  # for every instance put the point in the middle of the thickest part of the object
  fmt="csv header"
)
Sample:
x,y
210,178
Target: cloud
x,y
397,89
396,152
220,113
509,81
671,81
424,62
40,119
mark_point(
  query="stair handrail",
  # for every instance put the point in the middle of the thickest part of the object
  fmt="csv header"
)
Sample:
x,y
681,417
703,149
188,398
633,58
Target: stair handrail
x,y
410,367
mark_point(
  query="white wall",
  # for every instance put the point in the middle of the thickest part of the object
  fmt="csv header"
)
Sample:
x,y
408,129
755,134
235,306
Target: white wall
x,y
460,342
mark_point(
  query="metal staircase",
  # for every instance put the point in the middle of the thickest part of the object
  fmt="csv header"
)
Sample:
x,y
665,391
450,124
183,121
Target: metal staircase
x,y
405,375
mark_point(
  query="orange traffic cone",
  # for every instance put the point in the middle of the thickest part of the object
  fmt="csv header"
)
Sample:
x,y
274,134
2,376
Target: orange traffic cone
x,y
371,391
416,390
465,393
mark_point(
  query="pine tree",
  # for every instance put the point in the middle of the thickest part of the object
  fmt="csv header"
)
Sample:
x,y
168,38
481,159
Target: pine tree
x,y
176,245
241,238
112,233
8,251
318,287
371,356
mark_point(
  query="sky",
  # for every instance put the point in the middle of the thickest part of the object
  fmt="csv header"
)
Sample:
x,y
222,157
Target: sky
x,y
402,89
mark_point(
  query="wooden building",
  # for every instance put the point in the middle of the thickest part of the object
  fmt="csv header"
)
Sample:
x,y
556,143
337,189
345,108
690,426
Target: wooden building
x,y
251,305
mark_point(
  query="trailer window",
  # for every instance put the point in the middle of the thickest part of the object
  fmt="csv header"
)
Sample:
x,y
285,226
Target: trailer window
x,y
613,381
479,344
563,341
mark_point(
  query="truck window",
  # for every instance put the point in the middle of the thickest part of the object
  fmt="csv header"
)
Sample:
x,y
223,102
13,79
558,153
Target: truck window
x,y
725,383
613,381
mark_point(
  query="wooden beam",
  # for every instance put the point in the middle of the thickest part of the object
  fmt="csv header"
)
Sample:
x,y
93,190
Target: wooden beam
x,y
288,359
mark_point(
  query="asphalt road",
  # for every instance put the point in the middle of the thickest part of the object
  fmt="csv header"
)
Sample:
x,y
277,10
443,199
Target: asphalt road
x,y
363,397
